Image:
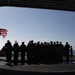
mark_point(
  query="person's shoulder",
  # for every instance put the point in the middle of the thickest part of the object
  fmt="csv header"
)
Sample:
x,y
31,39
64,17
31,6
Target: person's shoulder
x,y
6,43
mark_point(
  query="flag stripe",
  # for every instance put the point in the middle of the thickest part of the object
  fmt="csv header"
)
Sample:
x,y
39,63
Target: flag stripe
x,y
3,32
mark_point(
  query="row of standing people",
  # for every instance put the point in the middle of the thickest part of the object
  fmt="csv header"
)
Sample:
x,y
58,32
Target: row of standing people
x,y
38,52
15,49
52,52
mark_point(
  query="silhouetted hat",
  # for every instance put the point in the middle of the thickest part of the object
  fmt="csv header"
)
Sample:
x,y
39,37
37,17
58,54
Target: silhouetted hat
x,y
22,42
16,42
8,40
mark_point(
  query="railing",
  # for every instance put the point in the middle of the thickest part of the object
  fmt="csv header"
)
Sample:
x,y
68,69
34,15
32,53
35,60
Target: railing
x,y
2,54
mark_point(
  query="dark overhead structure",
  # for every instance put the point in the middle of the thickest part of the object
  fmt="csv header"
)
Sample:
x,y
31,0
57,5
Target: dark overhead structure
x,y
68,5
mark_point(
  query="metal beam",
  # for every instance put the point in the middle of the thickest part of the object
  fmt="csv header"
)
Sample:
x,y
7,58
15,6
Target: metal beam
x,y
8,2
47,4
28,3
66,4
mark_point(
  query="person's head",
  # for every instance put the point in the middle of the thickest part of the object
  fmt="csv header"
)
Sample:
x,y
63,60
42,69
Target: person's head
x,y
66,42
31,41
45,43
38,42
22,43
8,41
71,46
54,43
16,42
57,42
51,42
60,43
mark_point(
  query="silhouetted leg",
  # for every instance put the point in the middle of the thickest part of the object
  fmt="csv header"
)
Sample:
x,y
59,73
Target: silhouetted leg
x,y
22,60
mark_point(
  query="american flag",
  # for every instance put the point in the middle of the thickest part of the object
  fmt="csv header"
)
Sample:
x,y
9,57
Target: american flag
x,y
3,32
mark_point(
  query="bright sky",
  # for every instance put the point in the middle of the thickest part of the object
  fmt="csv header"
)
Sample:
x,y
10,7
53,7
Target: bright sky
x,y
25,24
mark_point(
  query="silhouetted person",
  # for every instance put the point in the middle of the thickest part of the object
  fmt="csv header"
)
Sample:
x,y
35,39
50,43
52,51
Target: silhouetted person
x,y
38,52
30,52
51,52
16,52
61,47
34,53
41,53
67,46
57,50
8,50
23,51
3,49
54,52
71,51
